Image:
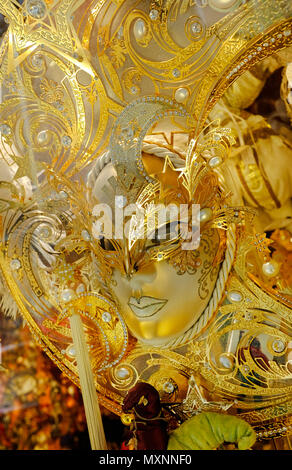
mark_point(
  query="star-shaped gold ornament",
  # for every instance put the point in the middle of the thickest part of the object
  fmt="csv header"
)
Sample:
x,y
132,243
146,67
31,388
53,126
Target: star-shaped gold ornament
x,y
39,23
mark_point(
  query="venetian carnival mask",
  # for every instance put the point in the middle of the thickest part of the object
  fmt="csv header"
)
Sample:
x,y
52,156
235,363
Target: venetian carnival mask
x,y
105,104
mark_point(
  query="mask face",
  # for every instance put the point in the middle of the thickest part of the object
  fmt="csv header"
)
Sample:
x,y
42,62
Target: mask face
x,y
165,298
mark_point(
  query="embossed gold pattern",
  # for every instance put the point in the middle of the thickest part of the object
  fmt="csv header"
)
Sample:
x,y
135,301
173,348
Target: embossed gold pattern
x,y
85,77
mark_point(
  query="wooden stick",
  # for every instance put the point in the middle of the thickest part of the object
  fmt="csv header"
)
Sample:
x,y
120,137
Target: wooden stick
x,y
89,394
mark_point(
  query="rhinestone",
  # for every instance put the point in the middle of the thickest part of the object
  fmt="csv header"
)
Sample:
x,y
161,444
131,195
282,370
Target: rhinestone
x,y
134,90
265,44
106,316
66,141
259,48
160,256
15,264
217,137
168,387
287,32
36,8
153,14
196,28
246,369
5,129
273,40
176,73
279,35
234,296
278,346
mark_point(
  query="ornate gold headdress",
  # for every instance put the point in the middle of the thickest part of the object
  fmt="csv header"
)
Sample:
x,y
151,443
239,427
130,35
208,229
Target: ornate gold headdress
x,y
78,78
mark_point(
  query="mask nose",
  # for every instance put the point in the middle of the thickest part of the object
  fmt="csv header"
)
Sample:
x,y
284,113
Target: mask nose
x,y
141,277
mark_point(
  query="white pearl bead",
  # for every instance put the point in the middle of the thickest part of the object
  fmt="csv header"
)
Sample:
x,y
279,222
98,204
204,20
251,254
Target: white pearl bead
x,y
270,269
80,289
205,214
222,5
122,373
139,29
42,137
234,296
67,295
15,264
63,195
181,95
214,162
71,351
278,346
85,235
225,362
